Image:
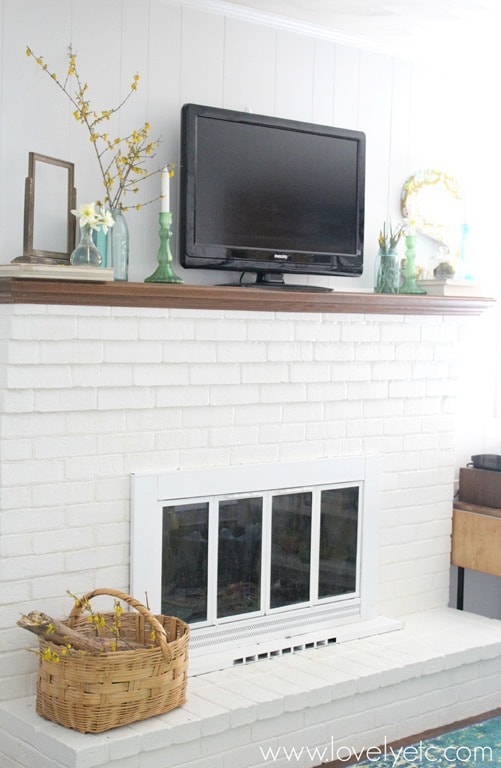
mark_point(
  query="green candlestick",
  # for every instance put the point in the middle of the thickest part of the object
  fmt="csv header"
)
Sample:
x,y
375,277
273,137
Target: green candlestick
x,y
164,272
410,273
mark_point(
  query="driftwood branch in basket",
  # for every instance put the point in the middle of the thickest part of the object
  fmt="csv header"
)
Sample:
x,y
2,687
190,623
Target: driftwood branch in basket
x,y
56,632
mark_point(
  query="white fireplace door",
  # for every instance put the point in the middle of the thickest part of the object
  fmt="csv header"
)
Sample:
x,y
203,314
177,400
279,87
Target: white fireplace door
x,y
260,560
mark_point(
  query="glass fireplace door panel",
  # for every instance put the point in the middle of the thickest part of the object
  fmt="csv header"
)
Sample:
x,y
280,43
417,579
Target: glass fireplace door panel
x,y
184,561
338,542
239,556
290,549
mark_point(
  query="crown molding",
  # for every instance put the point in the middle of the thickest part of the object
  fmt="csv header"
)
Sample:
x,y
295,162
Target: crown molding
x,y
244,13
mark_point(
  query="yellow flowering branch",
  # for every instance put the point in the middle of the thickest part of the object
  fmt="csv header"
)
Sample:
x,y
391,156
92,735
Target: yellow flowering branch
x,y
106,633
121,160
108,628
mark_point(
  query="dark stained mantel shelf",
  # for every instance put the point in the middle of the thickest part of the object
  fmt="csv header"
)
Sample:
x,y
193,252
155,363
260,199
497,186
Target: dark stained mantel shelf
x,y
117,294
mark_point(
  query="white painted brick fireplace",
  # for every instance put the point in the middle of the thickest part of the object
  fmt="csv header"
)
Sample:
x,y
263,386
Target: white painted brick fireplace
x,y
91,395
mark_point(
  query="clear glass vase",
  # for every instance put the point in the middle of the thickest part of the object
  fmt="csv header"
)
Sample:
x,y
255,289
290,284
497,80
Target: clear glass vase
x,y
387,278
117,251
86,254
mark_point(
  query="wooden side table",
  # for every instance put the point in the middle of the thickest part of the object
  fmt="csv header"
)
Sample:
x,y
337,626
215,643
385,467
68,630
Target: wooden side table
x,y
476,542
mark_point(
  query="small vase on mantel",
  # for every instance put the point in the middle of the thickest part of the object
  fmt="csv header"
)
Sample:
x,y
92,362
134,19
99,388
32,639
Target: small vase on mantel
x,y
409,284
117,253
86,254
114,246
387,271
100,239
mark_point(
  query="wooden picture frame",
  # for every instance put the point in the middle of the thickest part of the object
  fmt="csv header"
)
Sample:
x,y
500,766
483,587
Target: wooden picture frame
x,y
49,197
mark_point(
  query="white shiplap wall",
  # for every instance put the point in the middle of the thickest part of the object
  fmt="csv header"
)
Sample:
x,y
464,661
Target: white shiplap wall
x,y
185,53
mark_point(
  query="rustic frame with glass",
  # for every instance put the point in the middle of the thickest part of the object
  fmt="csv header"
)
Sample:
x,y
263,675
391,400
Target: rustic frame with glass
x,y
49,197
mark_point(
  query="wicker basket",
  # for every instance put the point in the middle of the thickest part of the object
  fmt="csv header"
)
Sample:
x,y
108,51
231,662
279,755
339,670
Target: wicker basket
x,y
93,693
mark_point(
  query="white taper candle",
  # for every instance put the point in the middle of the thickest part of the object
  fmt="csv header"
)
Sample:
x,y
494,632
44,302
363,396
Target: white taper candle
x,y
165,200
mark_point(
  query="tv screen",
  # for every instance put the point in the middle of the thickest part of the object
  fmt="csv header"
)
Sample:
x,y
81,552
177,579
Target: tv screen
x,y
265,196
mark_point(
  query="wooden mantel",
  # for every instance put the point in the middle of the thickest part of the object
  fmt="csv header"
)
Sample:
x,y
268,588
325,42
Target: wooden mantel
x,y
117,294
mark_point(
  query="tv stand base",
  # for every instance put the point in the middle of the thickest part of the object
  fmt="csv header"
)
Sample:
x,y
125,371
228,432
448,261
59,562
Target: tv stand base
x,y
270,282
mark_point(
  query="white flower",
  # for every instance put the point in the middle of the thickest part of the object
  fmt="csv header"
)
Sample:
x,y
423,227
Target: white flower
x,y
87,215
105,220
410,225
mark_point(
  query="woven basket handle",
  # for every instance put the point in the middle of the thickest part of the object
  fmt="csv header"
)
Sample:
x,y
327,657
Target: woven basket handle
x,y
160,634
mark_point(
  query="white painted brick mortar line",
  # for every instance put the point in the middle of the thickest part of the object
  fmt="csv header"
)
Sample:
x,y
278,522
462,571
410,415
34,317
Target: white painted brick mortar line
x,y
215,718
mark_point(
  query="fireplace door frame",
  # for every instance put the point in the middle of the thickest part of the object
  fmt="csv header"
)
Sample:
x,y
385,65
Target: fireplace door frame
x,y
151,492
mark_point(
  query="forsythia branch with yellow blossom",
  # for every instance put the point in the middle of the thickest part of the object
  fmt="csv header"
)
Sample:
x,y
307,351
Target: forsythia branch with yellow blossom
x,y
121,160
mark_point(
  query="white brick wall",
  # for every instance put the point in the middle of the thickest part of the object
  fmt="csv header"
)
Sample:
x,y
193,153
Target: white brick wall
x,y
92,395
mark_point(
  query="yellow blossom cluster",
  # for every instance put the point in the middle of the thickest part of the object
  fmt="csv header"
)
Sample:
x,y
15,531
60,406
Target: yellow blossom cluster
x,y
121,160
49,655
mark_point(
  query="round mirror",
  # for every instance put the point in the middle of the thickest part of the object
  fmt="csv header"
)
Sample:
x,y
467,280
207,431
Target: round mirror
x,y
433,201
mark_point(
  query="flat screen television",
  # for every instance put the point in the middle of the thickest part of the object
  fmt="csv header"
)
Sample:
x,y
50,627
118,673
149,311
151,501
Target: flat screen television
x,y
266,196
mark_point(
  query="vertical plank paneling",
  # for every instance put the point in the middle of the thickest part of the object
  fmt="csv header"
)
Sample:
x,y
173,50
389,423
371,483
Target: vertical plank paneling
x,y
346,86
98,52
398,166
164,76
2,110
163,88
202,56
249,67
346,115
135,59
375,120
294,78
323,82
201,74
35,116
478,127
